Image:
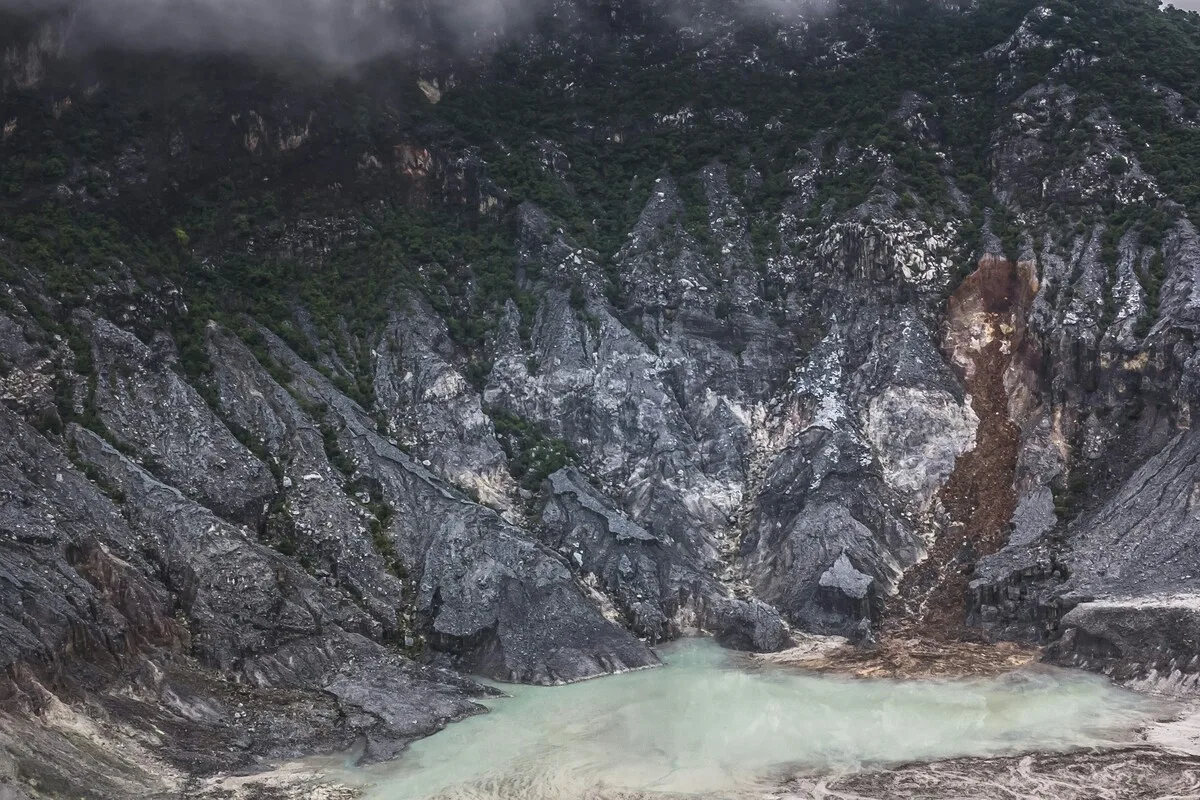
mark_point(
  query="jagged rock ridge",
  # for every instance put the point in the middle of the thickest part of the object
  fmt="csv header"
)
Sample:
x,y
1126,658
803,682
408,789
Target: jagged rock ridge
x,y
817,386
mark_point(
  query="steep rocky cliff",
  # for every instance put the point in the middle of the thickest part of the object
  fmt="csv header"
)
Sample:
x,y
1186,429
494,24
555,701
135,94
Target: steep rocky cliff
x,y
321,393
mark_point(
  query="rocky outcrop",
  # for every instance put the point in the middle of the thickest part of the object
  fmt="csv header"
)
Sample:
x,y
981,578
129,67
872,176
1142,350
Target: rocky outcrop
x,y
842,509
313,517
485,593
1102,588
1098,556
433,409
812,383
763,461
655,586
132,599
276,633
151,410
626,405
74,582
1144,640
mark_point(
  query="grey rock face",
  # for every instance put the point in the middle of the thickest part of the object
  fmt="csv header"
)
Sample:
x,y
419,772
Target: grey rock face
x,y
73,578
714,429
1146,639
148,407
655,585
239,597
1124,555
327,526
1100,553
659,417
432,408
843,577
1146,535
485,592
818,530
769,413
869,434
27,360
130,591
155,585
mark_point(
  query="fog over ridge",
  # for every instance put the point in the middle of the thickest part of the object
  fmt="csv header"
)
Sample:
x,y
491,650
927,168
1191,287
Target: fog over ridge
x,y
336,32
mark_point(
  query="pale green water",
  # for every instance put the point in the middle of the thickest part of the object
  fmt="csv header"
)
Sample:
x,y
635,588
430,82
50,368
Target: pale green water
x,y
704,726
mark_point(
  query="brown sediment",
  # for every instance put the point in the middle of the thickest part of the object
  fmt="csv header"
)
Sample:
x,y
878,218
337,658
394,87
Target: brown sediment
x,y
897,658
1127,773
924,632
985,340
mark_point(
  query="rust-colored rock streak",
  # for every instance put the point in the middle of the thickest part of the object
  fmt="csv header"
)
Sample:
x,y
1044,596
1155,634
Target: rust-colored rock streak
x,y
985,334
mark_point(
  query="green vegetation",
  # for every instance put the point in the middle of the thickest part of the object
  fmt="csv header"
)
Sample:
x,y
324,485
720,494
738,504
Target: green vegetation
x,y
93,474
1142,52
407,639
257,343
381,515
279,531
1069,494
1152,282
333,451
267,234
532,455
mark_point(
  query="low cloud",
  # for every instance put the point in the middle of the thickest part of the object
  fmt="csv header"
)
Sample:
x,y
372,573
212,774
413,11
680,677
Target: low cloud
x,y
335,32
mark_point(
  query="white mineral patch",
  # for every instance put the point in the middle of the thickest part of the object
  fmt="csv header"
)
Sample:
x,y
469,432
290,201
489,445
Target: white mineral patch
x,y
918,434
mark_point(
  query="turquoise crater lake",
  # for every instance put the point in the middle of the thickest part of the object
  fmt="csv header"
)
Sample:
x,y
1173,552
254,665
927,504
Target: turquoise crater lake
x,y
707,726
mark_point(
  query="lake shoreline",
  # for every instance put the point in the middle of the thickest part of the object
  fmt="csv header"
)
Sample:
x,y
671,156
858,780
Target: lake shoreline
x,y
1169,744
